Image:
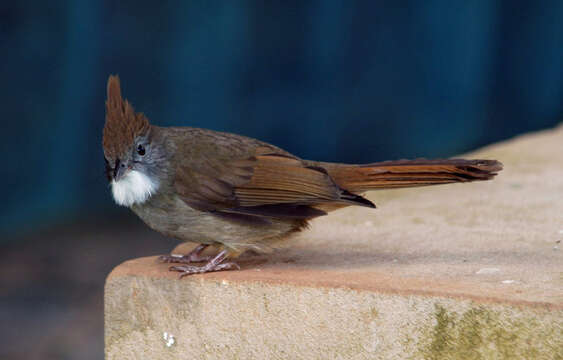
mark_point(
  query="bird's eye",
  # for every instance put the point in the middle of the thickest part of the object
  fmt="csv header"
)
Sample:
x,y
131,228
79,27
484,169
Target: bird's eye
x,y
141,150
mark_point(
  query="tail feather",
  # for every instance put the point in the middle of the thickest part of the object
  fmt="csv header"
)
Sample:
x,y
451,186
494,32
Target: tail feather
x,y
410,173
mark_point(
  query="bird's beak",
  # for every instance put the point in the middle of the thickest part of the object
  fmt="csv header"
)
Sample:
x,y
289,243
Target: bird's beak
x,y
121,168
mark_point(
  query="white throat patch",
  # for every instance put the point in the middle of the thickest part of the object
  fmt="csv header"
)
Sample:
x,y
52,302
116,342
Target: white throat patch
x,y
133,188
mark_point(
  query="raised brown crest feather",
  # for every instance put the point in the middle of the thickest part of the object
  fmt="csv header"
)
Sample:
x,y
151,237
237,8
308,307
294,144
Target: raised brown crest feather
x,y
122,125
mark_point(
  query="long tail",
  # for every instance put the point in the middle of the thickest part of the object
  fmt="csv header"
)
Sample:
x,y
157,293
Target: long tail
x,y
410,173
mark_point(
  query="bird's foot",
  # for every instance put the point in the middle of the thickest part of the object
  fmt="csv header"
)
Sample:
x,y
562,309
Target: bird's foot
x,y
193,257
215,264
184,259
185,270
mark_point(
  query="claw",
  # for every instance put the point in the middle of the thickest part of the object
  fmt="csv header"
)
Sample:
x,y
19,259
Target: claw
x,y
189,270
214,264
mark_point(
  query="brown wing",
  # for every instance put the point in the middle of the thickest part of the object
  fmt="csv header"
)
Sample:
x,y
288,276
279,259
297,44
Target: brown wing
x,y
282,180
266,184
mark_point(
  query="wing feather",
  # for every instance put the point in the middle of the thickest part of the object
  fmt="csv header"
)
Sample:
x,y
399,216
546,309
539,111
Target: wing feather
x,y
266,183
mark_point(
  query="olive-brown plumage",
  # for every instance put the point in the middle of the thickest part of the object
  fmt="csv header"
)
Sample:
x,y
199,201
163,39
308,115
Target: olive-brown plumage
x,y
239,193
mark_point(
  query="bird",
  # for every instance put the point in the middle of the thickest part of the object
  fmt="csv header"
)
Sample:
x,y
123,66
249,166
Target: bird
x,y
240,194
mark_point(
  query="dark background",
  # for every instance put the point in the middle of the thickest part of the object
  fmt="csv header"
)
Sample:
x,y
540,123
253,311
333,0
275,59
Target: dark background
x,y
327,80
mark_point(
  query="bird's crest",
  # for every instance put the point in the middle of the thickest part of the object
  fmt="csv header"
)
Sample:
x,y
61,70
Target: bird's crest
x,y
123,125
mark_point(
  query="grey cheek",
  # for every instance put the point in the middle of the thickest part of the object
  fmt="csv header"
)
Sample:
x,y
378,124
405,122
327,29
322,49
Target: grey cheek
x,y
144,166
140,166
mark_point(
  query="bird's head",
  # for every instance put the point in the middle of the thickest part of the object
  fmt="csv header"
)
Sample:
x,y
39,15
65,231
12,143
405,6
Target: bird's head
x,y
130,157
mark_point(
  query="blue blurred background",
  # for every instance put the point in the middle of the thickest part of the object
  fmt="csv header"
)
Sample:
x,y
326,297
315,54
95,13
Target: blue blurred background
x,y
327,80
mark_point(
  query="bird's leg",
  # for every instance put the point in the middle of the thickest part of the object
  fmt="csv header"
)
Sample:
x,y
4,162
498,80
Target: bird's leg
x,y
192,257
215,264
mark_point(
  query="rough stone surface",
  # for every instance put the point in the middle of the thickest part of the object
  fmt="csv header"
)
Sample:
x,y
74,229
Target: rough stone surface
x,y
471,271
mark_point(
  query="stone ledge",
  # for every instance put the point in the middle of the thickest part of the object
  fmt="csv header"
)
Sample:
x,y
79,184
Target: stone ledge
x,y
454,271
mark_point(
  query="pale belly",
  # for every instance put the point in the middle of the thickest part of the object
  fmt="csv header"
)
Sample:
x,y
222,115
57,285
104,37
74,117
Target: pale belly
x,y
174,218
